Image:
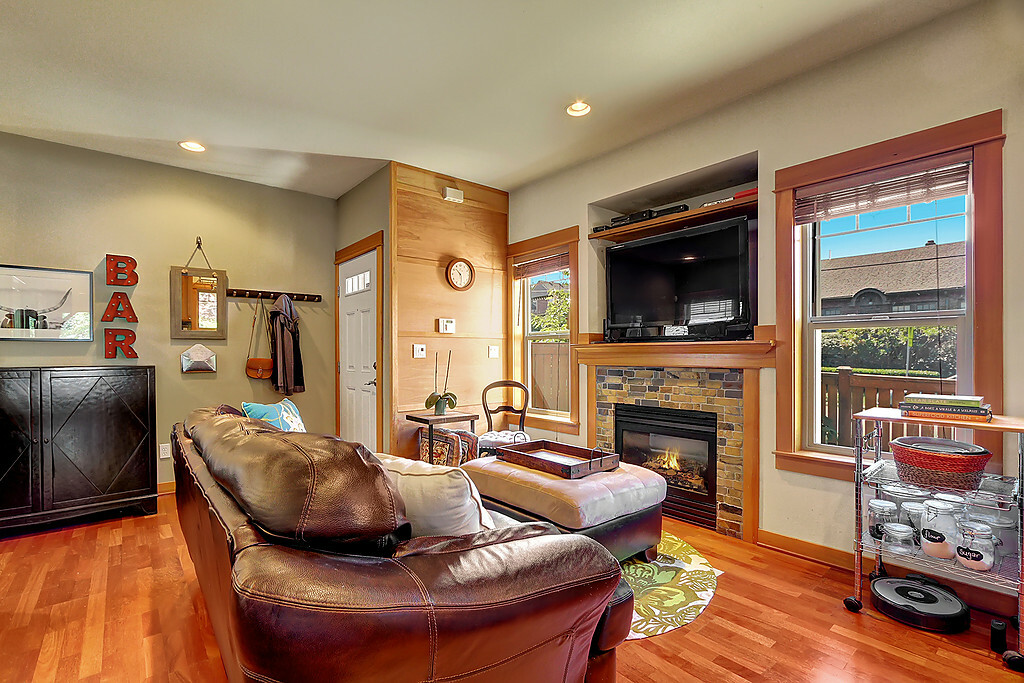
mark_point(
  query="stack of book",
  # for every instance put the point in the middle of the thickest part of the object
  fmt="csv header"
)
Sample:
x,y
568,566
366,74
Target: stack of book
x,y
946,407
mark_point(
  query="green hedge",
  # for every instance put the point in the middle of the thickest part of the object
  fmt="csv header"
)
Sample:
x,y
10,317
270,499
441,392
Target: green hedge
x,y
894,373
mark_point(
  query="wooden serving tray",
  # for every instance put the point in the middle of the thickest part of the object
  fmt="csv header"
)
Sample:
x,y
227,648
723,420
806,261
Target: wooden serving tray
x,y
561,459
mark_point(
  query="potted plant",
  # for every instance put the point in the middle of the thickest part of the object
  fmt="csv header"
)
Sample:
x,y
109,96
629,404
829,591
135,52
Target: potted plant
x,y
441,402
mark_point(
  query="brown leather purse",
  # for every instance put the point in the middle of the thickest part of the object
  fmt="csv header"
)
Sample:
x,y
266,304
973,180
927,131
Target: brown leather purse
x,y
259,368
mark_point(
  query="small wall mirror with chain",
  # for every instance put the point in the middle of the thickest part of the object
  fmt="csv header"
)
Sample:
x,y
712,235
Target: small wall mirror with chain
x,y
198,300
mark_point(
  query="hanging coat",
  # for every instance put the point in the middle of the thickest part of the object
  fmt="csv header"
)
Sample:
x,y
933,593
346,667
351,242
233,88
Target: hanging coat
x,y
284,346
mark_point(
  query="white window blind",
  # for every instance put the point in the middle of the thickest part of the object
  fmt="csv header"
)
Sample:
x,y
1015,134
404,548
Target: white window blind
x,y
874,191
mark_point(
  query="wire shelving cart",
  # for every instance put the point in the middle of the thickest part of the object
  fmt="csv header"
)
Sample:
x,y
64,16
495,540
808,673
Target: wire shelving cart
x,y
1005,578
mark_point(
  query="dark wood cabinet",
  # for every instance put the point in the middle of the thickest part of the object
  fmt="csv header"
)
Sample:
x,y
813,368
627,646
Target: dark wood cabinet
x,y
74,441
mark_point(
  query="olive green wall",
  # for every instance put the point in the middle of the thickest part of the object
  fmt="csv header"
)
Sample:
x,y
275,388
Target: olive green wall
x,y
65,207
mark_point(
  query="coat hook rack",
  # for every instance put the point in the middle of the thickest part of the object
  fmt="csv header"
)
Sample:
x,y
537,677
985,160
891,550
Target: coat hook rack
x,y
265,294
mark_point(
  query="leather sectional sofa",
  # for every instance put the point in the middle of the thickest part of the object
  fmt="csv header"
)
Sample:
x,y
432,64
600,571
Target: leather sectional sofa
x,y
301,547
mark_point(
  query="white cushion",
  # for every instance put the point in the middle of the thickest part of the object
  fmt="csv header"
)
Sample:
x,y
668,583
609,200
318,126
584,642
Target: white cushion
x,y
508,436
571,503
439,500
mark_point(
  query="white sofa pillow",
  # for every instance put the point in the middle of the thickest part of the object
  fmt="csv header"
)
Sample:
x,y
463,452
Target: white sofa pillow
x,y
439,500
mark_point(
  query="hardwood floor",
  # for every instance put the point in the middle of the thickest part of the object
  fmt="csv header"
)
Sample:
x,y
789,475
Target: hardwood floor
x,y
108,601
118,601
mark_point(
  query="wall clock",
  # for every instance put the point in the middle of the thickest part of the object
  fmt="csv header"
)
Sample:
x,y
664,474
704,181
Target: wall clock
x,y
460,274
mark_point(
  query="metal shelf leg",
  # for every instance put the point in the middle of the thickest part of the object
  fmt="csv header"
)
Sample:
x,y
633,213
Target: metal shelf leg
x,y
858,555
1020,540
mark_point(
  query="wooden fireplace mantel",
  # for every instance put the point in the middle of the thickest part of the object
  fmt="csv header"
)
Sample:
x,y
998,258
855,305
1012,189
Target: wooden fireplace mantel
x,y
756,353
749,356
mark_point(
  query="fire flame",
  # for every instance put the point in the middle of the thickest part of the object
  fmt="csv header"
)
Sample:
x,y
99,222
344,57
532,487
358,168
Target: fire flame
x,y
685,471
668,460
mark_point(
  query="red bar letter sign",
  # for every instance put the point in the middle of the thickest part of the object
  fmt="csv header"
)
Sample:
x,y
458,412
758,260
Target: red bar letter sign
x,y
119,307
121,270
122,339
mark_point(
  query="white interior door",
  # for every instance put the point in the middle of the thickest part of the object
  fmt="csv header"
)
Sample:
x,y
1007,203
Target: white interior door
x,y
357,335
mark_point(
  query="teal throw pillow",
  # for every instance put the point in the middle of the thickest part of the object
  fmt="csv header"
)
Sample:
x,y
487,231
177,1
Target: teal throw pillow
x,y
283,415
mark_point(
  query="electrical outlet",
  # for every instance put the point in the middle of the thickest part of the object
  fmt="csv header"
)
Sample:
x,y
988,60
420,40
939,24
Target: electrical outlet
x,y
492,351
419,350
165,451
446,325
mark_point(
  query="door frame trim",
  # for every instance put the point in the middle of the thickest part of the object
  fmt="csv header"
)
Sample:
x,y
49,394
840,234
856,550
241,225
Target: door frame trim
x,y
374,242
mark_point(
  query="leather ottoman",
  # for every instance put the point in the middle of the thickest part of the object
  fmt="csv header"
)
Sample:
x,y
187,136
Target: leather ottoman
x,y
620,509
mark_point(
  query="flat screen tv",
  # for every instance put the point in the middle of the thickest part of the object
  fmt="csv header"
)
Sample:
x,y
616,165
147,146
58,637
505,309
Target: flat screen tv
x,y
695,283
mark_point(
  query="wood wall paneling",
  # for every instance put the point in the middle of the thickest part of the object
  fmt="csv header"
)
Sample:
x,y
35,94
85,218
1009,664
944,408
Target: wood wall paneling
x,y
478,311
432,229
429,183
471,369
428,233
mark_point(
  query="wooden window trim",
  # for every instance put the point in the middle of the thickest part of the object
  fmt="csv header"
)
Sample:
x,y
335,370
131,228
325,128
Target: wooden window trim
x,y
983,136
560,241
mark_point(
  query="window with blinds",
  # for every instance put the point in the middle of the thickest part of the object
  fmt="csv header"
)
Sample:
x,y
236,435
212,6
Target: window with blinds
x,y
894,245
545,311
540,266
888,306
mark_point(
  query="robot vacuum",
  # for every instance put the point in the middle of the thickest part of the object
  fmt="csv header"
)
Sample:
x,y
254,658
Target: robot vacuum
x,y
921,604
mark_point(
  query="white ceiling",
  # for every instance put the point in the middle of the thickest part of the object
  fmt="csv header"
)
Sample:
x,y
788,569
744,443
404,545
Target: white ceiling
x,y
313,95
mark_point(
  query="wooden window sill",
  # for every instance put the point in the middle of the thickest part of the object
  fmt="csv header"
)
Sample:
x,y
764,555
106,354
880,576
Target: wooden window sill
x,y
562,425
817,464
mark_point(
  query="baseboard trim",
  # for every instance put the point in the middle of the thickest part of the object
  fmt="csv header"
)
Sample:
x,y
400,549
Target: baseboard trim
x,y
805,549
165,488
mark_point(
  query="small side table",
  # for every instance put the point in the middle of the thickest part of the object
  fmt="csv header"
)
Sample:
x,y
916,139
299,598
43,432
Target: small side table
x,y
427,417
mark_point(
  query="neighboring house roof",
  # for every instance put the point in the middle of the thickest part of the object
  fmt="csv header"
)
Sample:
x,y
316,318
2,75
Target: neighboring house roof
x,y
903,270
542,287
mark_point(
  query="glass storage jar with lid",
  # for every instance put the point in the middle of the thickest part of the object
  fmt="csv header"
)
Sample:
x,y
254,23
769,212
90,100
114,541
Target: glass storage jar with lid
x,y
880,513
975,547
959,503
911,514
938,529
903,493
1004,532
898,538
989,504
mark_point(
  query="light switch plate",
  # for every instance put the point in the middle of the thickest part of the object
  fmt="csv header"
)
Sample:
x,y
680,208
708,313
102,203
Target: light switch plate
x,y
165,451
419,350
492,351
446,325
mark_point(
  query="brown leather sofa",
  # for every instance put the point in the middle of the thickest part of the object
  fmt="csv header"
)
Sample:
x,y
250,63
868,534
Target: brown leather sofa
x,y
301,547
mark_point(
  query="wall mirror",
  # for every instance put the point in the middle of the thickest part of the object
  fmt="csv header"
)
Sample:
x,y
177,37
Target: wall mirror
x,y
198,303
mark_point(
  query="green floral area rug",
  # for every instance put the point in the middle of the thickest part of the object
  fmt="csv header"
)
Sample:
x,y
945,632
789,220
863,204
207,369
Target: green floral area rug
x,y
670,592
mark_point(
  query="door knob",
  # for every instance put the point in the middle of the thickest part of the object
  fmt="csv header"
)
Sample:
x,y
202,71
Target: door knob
x,y
371,383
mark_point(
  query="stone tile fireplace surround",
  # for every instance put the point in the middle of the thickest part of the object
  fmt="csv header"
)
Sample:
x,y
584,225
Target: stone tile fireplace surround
x,y
721,378
718,391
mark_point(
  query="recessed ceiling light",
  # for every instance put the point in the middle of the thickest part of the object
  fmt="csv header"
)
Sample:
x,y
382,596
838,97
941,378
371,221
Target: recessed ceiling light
x,y
191,146
578,108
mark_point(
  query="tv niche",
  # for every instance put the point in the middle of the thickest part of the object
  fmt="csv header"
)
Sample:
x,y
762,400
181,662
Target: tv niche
x,y
698,283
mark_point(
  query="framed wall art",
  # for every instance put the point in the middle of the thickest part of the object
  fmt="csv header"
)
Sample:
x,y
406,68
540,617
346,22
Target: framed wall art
x,y
45,304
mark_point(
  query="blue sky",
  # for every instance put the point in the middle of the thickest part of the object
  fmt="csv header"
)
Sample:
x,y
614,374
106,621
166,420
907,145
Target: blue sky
x,y
942,220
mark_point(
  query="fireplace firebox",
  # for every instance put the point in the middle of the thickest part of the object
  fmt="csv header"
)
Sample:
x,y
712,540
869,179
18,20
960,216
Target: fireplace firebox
x,y
680,445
